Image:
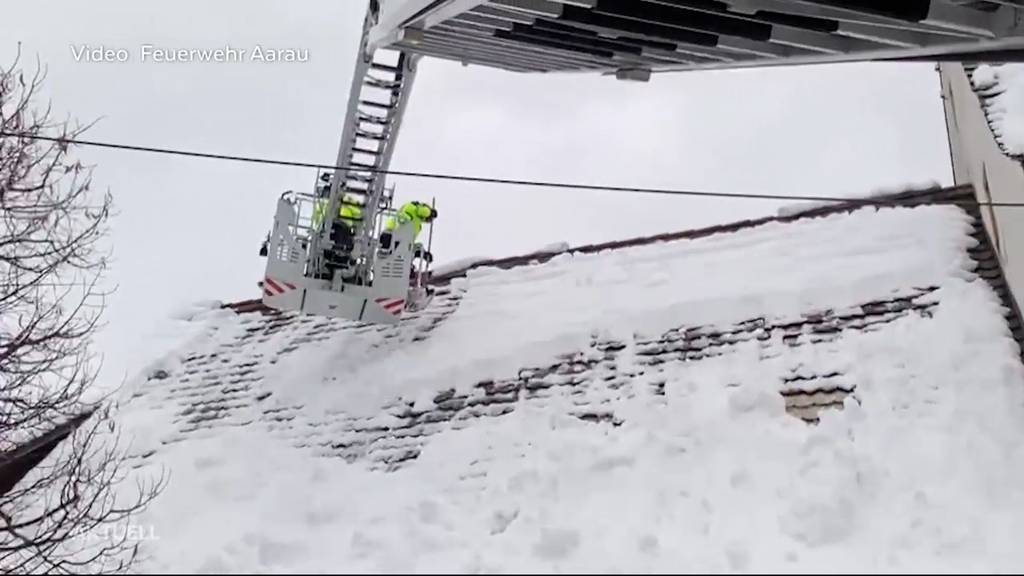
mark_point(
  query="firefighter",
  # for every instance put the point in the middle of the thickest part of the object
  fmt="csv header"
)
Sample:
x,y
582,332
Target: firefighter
x,y
415,212
418,213
349,215
343,233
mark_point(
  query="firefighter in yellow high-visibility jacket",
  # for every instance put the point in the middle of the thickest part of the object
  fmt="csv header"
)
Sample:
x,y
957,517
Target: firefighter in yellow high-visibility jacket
x,y
350,214
415,212
418,213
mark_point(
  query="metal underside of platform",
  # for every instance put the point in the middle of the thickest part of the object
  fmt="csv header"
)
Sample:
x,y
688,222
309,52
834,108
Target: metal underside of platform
x,y
638,36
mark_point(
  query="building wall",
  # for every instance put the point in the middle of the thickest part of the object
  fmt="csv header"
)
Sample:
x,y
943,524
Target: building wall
x,y
978,160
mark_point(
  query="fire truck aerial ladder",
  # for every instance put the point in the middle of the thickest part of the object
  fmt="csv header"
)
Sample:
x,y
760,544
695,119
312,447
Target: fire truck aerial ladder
x,y
355,267
333,252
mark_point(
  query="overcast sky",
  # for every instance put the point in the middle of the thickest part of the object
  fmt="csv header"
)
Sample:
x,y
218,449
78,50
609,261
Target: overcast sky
x,y
189,229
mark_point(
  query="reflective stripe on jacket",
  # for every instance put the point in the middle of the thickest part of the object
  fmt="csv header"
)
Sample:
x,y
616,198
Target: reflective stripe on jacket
x,y
348,213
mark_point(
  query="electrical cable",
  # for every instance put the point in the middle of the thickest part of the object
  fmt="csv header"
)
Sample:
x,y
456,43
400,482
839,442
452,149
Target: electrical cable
x,y
501,181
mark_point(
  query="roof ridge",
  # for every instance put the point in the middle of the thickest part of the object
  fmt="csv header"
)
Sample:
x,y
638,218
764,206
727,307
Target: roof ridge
x,y
905,198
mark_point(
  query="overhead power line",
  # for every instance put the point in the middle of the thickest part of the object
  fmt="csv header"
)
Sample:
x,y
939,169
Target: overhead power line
x,y
487,180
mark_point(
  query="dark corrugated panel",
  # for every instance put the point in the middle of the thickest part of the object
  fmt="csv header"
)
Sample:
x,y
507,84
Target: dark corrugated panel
x,y
575,39
575,14
797,21
542,24
908,10
713,5
767,16
696,20
540,40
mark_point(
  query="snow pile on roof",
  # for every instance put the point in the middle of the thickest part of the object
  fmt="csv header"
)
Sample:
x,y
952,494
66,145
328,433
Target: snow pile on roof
x,y
459,264
804,206
1003,87
449,267
700,469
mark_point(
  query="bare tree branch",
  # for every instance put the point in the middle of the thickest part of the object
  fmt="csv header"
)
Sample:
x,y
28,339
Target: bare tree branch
x,y
70,514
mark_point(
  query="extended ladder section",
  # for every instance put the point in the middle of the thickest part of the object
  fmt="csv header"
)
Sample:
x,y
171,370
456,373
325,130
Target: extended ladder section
x,y
326,253
381,86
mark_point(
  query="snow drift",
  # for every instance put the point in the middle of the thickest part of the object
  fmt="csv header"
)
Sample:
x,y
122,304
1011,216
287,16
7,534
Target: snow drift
x,y
1005,108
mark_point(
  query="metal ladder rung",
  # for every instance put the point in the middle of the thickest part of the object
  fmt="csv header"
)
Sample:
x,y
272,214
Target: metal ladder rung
x,y
373,119
385,68
366,151
360,189
362,167
371,135
382,84
386,76
351,176
373,104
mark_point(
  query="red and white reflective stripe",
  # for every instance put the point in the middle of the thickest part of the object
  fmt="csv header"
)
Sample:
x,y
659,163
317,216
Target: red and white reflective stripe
x,y
393,305
273,287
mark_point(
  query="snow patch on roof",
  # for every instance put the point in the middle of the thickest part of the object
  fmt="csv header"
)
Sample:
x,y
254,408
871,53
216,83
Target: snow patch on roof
x,y
555,247
1003,87
456,265
803,207
470,262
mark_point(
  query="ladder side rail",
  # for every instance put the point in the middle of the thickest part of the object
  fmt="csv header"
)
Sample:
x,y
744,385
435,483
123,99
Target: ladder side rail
x,y
425,265
362,66
369,233
409,64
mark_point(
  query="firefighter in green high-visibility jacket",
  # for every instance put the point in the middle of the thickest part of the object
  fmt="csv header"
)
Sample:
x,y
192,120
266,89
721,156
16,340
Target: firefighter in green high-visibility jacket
x,y
418,213
415,212
350,214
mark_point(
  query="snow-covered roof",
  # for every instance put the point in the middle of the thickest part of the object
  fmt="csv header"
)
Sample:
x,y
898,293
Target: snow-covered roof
x,y
1001,89
617,407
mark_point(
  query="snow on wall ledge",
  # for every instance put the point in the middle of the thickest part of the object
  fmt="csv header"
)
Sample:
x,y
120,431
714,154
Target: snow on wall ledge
x,y
637,421
1002,88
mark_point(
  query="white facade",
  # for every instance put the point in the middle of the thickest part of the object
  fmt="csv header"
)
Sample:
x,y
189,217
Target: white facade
x,y
979,160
